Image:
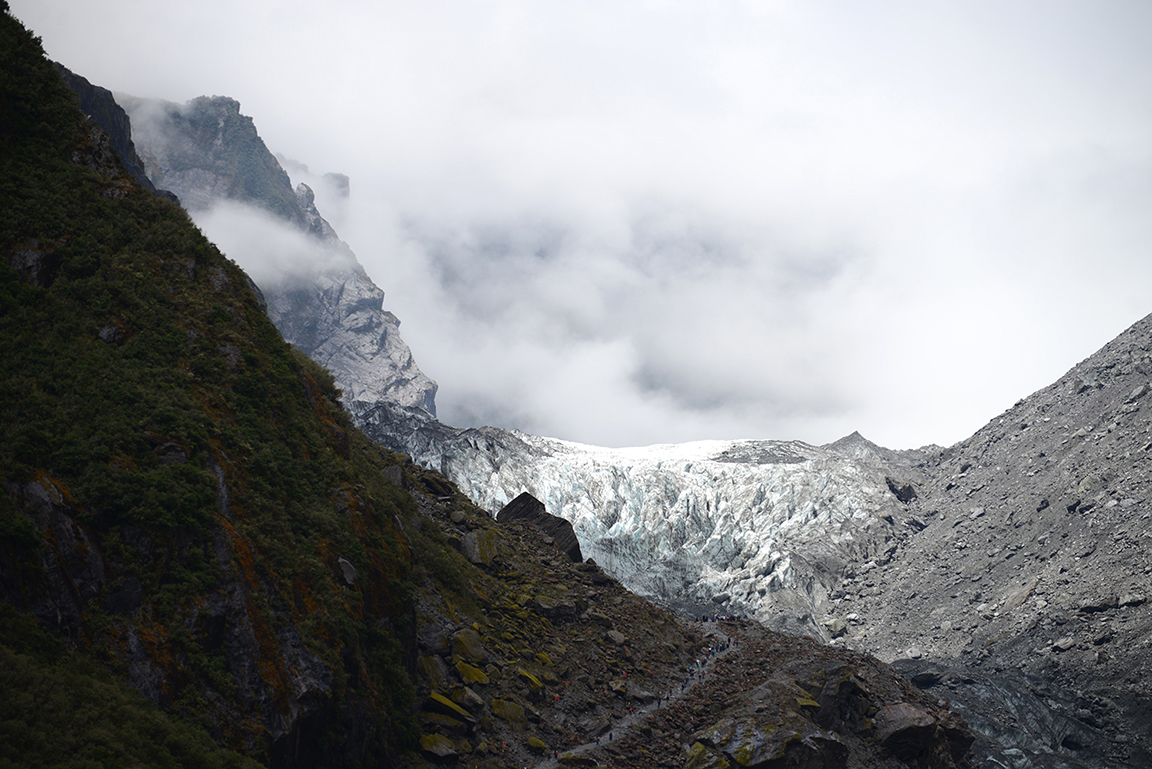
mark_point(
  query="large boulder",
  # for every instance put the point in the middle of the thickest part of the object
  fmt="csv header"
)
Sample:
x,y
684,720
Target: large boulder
x,y
527,508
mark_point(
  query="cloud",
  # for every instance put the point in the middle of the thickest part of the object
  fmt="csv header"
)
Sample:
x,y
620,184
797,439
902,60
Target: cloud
x,y
632,222
273,252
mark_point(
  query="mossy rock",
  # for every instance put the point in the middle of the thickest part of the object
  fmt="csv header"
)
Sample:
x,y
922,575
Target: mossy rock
x,y
700,757
467,699
807,702
471,674
438,747
438,703
480,546
443,724
436,671
509,711
537,745
748,742
467,644
532,681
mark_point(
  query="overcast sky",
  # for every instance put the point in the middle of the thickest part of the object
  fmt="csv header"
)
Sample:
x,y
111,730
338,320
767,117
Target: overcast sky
x,y
626,223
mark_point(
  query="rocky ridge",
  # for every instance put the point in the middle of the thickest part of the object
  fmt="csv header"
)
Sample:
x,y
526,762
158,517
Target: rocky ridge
x,y
536,660
1009,570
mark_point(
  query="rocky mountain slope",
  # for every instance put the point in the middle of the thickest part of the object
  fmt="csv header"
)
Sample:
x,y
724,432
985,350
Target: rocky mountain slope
x,y
977,568
322,301
1029,569
203,563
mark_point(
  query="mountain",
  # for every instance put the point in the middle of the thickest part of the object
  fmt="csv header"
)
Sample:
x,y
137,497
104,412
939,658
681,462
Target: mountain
x,y
208,154
1010,571
203,563
957,565
1030,569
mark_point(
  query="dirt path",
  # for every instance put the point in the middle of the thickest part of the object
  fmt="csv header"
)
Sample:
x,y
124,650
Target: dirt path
x,y
625,726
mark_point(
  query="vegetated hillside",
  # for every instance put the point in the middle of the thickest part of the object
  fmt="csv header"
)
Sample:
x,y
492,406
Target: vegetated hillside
x,y
181,489
203,564
1027,569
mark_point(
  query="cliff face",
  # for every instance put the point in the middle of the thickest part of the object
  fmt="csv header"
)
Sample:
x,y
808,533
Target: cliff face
x,y
321,300
100,105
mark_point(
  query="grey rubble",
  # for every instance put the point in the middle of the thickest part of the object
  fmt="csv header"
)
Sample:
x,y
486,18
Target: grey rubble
x,y
1031,573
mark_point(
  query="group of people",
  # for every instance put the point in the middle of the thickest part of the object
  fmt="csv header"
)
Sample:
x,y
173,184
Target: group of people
x,y
698,668
723,617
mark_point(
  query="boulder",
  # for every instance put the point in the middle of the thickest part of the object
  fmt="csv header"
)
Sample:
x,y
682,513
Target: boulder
x,y
836,627
479,547
905,730
527,508
467,699
902,491
509,711
437,747
467,645
470,674
434,669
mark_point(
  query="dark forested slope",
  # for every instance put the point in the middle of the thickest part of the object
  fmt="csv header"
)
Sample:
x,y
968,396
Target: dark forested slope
x,y
181,490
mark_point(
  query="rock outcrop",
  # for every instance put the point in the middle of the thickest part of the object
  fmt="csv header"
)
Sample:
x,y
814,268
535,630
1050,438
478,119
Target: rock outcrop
x,y
527,508
100,106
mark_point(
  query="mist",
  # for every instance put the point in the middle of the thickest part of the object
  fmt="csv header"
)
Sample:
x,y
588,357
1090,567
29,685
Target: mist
x,y
646,222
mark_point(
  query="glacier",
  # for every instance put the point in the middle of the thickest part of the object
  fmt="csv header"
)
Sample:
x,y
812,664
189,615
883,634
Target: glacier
x,y
759,527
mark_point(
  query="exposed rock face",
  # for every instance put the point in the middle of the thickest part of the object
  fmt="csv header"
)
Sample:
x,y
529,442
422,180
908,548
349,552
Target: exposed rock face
x,y
527,508
100,106
206,152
